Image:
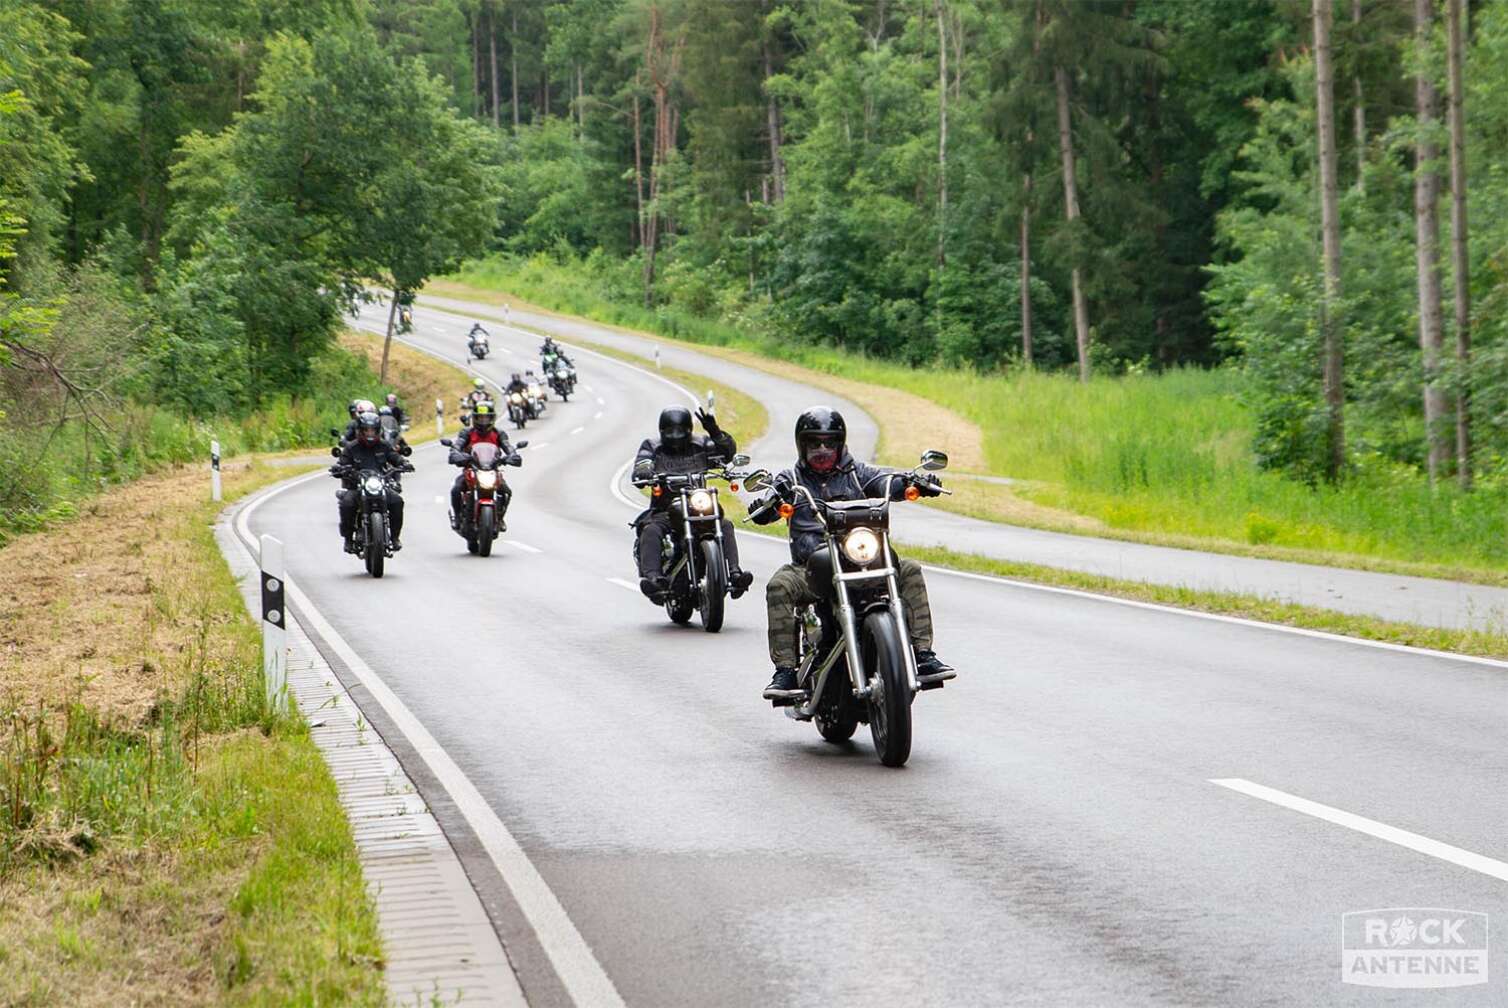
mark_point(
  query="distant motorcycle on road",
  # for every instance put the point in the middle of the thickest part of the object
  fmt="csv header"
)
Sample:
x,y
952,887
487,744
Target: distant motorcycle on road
x,y
856,659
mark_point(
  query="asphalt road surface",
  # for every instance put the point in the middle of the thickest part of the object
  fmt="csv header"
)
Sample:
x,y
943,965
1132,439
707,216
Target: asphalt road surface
x,y
1057,838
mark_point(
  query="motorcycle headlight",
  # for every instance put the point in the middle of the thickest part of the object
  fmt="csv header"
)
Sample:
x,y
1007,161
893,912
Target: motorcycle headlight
x,y
373,484
486,479
534,390
516,397
701,502
861,546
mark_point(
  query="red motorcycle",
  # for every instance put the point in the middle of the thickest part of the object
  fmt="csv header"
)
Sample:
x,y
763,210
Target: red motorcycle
x,y
482,490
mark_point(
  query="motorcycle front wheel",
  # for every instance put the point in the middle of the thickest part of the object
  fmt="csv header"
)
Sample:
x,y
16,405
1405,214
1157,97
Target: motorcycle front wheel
x,y
889,694
714,593
486,531
376,544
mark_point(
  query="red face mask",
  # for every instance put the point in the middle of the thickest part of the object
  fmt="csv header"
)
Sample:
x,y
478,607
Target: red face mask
x,y
821,457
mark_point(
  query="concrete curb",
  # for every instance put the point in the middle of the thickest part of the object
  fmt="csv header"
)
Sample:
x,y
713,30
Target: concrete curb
x,y
440,945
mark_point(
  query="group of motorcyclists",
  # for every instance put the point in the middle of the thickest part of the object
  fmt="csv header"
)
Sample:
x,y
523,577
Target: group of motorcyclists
x,y
823,474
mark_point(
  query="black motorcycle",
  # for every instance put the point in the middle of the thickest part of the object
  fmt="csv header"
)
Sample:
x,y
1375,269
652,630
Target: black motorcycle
x,y
371,537
692,556
478,347
855,646
482,488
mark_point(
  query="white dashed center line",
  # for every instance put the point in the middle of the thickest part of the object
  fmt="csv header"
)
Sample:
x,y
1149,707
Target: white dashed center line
x,y
597,415
624,584
578,430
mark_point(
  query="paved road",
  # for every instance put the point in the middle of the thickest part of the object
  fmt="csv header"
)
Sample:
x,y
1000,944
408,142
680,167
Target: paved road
x,y
1426,601
1056,838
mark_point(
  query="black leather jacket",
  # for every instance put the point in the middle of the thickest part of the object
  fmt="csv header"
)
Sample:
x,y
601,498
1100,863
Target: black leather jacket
x,y
362,457
848,480
703,454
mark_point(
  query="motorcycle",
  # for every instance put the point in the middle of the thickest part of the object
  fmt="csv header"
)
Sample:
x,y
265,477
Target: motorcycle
x,y
856,664
518,410
478,347
482,488
405,319
373,544
535,400
392,430
563,381
692,557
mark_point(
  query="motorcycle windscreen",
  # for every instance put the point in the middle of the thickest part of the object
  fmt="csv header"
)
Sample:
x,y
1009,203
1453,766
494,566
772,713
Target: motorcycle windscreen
x,y
485,455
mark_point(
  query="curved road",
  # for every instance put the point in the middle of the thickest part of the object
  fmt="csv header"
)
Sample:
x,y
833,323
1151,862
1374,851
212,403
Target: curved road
x,y
1057,838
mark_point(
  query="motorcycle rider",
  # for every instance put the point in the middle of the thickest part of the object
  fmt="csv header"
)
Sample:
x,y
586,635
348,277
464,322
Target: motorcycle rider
x,y
483,429
678,452
824,467
516,383
476,330
399,413
356,407
477,394
367,451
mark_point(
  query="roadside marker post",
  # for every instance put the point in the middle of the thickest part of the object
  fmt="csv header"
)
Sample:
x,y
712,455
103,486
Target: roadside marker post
x,y
214,470
657,358
711,401
274,625
439,417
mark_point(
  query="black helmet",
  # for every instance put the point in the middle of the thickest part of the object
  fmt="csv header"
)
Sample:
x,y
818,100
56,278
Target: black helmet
x,y
483,415
675,428
517,377
821,437
368,427
351,408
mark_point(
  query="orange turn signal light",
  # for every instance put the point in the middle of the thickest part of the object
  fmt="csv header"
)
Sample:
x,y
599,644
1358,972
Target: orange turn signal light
x,y
733,487
786,511
912,493
657,491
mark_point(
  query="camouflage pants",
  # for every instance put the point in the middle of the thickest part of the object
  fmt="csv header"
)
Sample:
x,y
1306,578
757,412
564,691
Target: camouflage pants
x,y
787,590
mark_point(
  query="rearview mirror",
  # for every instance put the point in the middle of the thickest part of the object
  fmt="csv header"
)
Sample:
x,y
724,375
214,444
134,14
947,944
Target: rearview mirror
x,y
757,480
932,459
447,442
335,432
335,453
739,461
521,444
644,468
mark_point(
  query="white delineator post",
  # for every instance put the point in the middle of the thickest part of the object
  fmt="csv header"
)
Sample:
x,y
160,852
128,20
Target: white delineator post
x,y
439,417
711,401
214,470
657,358
274,625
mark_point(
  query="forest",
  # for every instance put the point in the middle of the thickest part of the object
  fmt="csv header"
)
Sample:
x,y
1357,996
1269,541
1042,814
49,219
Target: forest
x,y
1304,197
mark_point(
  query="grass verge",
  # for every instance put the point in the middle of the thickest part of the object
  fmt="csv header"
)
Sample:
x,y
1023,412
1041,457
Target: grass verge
x,y
164,838
1157,458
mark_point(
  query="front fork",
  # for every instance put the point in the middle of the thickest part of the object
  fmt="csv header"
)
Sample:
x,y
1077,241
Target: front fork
x,y
848,621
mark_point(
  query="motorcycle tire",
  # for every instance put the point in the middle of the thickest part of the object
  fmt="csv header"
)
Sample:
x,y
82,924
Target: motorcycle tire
x,y
714,593
376,544
486,531
890,695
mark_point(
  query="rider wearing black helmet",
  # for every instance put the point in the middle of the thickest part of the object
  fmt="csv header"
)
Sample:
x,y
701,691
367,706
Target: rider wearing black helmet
x,y
483,428
825,468
679,452
368,452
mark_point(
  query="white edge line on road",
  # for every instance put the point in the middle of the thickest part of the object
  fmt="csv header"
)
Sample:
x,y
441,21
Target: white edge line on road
x,y
603,402
540,445
1382,831
583,976
597,415
1080,593
621,583
578,430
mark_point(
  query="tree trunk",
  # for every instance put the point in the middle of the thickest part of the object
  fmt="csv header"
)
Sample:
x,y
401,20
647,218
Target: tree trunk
x,y
1427,252
1071,207
492,44
1026,273
513,66
1324,75
638,169
1459,248
544,102
387,342
942,132
1359,115
476,64
772,125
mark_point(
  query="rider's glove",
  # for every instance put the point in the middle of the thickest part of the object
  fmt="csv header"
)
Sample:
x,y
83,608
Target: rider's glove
x,y
784,486
337,470
515,459
930,486
708,422
406,467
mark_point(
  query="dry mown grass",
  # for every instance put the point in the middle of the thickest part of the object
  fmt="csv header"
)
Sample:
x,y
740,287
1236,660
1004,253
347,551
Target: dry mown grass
x,y
419,378
161,841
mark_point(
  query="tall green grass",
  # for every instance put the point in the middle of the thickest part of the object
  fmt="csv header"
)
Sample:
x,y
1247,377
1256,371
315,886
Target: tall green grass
x,y
1165,454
